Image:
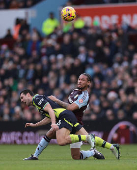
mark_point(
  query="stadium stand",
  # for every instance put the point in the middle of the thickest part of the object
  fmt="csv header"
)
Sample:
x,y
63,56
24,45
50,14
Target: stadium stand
x,y
52,64
15,4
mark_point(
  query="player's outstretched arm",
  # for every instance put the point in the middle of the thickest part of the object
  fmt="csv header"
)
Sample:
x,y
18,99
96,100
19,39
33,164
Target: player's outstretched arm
x,y
44,121
65,105
49,109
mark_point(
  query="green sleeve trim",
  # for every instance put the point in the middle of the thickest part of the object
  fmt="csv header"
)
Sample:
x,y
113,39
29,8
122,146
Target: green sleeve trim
x,y
45,105
34,96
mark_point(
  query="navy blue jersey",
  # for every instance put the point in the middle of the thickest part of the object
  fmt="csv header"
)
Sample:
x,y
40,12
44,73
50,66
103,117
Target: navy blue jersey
x,y
65,118
40,102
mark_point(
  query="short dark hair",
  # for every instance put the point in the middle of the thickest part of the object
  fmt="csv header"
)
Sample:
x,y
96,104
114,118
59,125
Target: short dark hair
x,y
26,91
88,76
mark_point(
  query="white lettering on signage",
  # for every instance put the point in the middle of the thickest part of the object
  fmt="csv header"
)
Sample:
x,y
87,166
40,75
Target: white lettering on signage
x,y
105,20
126,18
114,19
88,20
134,21
19,138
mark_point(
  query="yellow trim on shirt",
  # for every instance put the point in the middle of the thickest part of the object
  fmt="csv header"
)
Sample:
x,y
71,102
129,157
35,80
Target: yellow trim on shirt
x,y
57,111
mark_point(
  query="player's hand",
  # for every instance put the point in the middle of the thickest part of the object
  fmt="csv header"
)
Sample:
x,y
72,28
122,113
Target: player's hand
x,y
30,124
53,98
55,126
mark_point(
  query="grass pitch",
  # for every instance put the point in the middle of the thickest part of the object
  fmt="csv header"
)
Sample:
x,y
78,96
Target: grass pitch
x,y
58,158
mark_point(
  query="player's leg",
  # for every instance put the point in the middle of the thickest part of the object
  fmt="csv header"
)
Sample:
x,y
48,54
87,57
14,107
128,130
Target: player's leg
x,y
75,150
75,147
64,137
51,134
77,154
113,147
66,124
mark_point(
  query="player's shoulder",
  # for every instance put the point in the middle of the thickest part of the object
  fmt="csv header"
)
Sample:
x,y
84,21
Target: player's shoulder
x,y
83,99
38,98
77,94
76,91
85,93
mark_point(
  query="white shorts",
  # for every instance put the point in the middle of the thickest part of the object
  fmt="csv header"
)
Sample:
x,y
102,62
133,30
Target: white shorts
x,y
76,145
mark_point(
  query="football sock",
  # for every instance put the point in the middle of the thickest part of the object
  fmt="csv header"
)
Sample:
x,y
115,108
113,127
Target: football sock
x,y
41,146
77,138
102,143
86,154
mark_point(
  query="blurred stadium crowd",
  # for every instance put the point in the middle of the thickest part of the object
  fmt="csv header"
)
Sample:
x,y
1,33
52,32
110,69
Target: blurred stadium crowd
x,y
15,4
51,65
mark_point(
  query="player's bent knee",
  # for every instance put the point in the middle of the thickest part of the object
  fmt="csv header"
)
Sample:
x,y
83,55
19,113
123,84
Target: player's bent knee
x,y
61,141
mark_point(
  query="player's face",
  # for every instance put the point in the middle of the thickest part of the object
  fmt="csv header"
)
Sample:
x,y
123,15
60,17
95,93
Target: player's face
x,y
25,99
83,82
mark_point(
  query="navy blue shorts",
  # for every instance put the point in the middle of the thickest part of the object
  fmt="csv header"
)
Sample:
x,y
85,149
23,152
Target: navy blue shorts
x,y
68,120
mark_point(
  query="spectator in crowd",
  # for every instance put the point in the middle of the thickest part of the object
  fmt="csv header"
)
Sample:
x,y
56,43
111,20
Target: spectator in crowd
x,y
49,24
121,114
16,28
8,35
135,115
33,46
15,4
18,114
110,114
21,4
29,3
78,23
67,46
2,4
24,29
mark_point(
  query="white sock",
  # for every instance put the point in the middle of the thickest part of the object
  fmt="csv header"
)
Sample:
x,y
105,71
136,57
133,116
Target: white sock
x,y
87,154
41,146
112,147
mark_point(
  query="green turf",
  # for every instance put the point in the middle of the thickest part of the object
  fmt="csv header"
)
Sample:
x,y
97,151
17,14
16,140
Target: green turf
x,y
58,158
